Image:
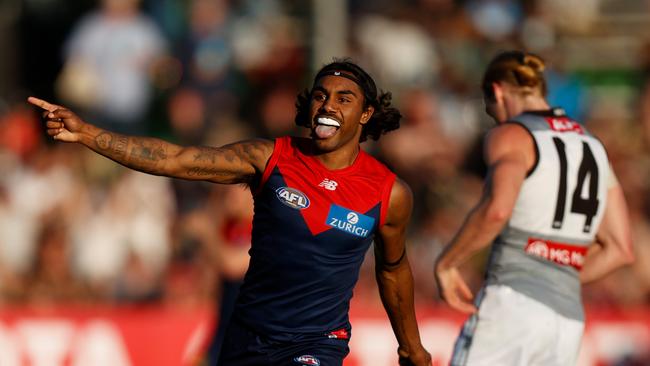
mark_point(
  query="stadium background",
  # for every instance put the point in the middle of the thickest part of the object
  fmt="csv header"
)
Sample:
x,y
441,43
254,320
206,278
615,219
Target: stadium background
x,y
104,266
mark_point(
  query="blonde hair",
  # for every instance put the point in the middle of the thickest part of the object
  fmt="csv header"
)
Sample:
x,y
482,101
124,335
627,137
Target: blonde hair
x,y
520,69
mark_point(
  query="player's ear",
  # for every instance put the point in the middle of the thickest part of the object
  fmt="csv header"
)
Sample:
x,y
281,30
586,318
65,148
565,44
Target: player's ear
x,y
367,113
497,91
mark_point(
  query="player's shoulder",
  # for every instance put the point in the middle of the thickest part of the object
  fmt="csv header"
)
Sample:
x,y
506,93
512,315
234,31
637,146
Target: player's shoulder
x,y
370,163
401,190
509,134
282,145
400,204
259,145
509,139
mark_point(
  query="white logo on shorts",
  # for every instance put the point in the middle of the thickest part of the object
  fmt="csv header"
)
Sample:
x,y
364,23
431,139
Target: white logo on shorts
x,y
307,360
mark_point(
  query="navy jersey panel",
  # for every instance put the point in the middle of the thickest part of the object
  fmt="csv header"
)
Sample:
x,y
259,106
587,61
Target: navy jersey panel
x,y
311,230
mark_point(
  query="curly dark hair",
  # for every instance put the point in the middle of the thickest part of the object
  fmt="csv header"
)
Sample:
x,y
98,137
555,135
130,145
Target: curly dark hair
x,y
384,119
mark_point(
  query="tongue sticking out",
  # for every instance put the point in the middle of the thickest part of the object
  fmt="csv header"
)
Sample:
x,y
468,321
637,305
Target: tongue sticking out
x,y
326,127
325,131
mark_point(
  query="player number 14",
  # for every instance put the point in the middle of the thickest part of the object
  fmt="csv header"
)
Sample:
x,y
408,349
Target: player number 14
x,y
586,206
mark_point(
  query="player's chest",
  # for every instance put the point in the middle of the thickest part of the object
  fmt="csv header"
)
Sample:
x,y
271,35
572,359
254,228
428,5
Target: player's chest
x,y
349,205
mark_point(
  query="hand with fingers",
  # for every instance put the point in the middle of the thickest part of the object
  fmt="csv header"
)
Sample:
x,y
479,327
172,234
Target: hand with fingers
x,y
454,290
61,123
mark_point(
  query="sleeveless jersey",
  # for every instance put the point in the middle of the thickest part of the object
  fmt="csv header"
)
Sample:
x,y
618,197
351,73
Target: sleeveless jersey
x,y
556,215
311,229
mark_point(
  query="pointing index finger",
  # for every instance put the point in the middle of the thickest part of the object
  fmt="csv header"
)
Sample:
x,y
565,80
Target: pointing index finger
x,y
43,104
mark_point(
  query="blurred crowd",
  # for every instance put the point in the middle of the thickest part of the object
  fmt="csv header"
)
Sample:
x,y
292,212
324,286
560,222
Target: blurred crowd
x,y
76,227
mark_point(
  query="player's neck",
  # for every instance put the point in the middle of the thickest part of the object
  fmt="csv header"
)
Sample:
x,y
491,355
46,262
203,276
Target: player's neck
x,y
517,106
534,104
340,158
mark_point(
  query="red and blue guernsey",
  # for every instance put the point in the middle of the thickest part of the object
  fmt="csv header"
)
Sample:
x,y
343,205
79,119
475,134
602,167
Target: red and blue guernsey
x,y
311,230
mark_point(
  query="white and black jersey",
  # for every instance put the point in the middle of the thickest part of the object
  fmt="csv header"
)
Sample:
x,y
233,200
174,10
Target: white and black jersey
x,y
556,216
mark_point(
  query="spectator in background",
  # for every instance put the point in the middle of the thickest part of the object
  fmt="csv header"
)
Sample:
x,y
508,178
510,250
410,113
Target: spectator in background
x,y
50,278
228,241
123,242
276,110
644,97
30,174
566,89
421,150
205,52
401,49
108,60
496,20
20,136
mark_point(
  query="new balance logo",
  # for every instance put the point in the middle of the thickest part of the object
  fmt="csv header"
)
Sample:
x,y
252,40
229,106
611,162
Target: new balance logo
x,y
330,185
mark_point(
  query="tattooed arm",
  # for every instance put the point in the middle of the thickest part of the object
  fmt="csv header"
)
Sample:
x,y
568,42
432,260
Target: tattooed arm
x,y
240,162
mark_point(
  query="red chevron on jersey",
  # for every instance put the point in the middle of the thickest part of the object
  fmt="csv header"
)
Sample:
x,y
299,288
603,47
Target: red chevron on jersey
x,y
314,189
311,230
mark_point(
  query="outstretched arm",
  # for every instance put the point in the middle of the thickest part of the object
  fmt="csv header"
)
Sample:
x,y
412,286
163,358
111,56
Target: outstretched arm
x,y
395,279
614,240
509,154
240,162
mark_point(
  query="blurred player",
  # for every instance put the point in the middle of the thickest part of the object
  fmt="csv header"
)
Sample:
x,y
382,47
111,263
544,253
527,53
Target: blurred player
x,y
550,193
319,202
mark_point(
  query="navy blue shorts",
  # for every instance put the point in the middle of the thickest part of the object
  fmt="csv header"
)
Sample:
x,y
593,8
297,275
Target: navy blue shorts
x,y
244,347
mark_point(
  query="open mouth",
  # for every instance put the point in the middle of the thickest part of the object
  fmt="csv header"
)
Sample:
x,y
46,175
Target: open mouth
x,y
326,127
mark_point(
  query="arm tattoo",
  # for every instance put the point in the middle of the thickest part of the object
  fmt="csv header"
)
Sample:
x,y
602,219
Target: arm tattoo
x,y
120,145
112,145
236,163
210,163
250,150
145,154
103,140
205,155
228,163
203,172
231,154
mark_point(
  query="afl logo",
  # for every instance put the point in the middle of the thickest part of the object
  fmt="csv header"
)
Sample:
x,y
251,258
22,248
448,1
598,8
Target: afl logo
x,y
353,218
292,197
